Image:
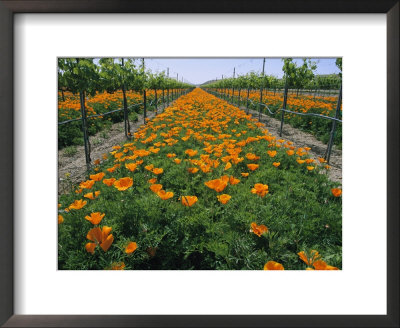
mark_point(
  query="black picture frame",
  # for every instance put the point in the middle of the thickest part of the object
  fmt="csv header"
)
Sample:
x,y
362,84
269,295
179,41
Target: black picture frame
x,y
7,11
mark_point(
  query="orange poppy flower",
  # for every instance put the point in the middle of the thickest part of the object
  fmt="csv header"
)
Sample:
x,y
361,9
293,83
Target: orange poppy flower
x,y
300,161
123,183
336,192
109,182
111,169
189,200
301,152
60,219
154,180
252,157
321,265
260,189
322,160
258,229
271,153
118,266
310,168
227,166
156,187
191,152
224,198
77,204
86,184
164,195
276,164
158,170
131,247
327,167
177,161
171,155
233,181
244,174
131,166
90,195
99,237
96,162
290,152
225,178
149,167
253,167
309,258
98,176
95,218
192,170
272,265
217,184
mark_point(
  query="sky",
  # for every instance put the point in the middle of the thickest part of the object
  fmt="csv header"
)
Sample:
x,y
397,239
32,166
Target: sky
x,y
200,70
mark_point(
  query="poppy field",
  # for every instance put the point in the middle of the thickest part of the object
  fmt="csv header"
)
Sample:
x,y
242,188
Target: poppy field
x,y
202,186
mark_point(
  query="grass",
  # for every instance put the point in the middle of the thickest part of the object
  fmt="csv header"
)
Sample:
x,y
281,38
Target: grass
x,y
70,151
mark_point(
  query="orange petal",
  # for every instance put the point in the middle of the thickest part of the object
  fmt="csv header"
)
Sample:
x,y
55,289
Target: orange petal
x,y
90,247
105,245
94,235
132,246
105,232
272,265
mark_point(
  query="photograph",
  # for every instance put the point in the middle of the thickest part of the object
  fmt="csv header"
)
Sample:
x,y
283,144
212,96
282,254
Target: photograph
x,y
197,163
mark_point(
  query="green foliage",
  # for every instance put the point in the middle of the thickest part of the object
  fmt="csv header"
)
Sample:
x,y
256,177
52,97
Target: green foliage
x,y
70,151
78,75
298,76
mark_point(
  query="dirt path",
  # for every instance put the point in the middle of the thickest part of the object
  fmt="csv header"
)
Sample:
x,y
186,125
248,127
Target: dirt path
x,y
303,139
75,166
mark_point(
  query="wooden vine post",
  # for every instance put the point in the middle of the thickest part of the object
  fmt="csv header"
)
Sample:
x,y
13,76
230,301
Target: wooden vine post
x,y
247,100
84,130
233,85
333,130
144,92
126,114
155,99
261,91
167,87
284,105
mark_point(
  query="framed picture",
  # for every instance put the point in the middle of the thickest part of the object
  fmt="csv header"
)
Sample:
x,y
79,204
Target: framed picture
x,y
57,273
